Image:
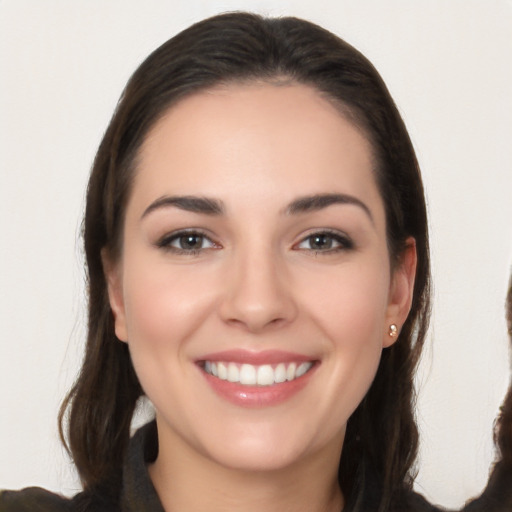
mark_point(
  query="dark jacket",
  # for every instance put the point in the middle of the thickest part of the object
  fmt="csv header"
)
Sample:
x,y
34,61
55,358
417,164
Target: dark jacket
x,y
137,493
497,496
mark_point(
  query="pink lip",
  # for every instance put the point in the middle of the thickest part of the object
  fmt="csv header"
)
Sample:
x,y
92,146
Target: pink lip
x,y
257,396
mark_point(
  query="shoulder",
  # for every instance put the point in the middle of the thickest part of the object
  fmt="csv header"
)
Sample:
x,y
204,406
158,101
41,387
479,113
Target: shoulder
x,y
415,502
497,496
33,499
36,499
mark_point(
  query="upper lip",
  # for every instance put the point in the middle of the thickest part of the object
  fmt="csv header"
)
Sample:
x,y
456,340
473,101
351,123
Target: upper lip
x,y
256,358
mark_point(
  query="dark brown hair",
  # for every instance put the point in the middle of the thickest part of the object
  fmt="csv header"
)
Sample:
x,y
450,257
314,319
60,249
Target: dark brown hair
x,y
503,430
381,440
497,495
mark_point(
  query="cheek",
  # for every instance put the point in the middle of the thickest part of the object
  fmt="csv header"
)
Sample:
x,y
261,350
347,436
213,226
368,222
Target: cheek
x,y
350,303
350,309
164,305
164,309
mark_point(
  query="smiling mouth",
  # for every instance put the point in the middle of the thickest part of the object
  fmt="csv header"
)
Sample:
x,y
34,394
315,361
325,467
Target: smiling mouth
x,y
256,375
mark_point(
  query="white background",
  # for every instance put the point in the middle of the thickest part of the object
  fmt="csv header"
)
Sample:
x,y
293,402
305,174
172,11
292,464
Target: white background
x,y
448,64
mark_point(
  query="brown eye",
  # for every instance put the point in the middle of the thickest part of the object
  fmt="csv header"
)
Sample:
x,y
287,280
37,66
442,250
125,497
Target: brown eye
x,y
190,242
186,242
325,242
321,242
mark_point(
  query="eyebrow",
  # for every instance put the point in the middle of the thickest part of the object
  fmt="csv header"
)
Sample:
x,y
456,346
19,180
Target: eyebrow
x,y
320,201
204,205
211,206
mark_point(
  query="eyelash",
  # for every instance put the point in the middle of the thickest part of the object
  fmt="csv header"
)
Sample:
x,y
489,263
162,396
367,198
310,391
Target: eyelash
x,y
165,243
344,243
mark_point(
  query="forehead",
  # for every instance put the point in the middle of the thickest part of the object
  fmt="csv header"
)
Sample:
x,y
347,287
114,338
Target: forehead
x,y
255,140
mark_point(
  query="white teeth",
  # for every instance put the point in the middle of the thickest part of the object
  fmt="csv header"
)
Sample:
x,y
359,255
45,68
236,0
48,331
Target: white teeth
x,y
280,373
265,375
222,371
290,372
233,372
302,369
250,375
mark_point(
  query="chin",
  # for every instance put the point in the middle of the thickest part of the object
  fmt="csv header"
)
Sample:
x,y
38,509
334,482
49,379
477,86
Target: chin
x,y
255,459
270,448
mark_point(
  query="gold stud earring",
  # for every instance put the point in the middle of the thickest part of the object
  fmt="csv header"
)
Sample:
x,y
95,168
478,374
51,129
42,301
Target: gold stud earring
x,y
393,330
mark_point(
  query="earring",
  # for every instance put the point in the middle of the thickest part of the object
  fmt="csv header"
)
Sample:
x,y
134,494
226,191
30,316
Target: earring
x,y
393,330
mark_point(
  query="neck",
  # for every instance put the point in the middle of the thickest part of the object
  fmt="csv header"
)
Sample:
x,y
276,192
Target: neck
x,y
188,482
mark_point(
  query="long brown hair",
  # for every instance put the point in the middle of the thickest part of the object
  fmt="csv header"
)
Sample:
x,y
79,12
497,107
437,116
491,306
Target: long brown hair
x,y
381,439
503,429
497,495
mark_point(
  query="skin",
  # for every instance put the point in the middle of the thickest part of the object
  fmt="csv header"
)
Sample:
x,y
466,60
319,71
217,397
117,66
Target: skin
x,y
256,282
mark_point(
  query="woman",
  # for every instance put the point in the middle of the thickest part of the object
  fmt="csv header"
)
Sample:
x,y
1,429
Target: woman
x,y
257,252
497,496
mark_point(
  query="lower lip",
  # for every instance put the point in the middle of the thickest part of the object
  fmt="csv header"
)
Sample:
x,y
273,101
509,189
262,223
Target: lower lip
x,y
258,396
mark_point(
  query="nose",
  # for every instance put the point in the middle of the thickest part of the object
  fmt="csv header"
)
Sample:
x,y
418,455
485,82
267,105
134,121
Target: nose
x,y
258,292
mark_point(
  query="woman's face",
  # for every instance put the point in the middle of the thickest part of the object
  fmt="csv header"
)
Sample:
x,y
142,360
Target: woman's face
x,y
254,289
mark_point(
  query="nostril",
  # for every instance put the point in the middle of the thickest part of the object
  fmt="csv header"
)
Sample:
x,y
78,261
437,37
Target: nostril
x,y
256,324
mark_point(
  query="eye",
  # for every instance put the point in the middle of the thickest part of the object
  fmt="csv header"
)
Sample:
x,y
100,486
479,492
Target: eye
x,y
325,241
186,242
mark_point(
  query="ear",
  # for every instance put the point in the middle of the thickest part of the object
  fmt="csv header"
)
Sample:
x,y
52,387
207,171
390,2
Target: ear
x,y
112,272
401,291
